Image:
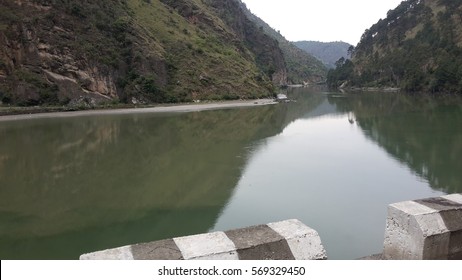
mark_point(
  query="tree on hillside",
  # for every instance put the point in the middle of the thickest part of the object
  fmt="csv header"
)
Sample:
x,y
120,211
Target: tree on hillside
x,y
417,47
343,72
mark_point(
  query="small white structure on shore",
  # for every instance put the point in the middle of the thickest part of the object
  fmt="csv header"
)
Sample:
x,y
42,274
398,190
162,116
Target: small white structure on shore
x,y
281,97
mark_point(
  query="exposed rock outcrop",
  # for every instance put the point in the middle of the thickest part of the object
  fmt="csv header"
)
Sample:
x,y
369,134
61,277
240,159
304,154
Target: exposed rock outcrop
x,y
54,52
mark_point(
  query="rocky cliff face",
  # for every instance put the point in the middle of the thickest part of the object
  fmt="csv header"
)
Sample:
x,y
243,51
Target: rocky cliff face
x,y
133,51
44,60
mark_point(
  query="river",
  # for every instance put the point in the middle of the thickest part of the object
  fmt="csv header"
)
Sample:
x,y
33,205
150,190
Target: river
x,y
73,185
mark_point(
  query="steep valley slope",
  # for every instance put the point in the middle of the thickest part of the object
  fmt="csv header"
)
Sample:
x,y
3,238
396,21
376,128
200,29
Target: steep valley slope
x,y
82,53
417,47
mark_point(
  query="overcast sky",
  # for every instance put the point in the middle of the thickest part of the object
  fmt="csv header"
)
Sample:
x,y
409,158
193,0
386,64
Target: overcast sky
x,y
321,20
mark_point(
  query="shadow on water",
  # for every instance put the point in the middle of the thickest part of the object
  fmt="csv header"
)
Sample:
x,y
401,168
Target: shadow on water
x,y
422,132
335,168
74,185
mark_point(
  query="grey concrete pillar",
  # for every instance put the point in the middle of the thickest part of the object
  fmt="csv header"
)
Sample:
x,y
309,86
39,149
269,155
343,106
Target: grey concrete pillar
x,y
427,229
286,240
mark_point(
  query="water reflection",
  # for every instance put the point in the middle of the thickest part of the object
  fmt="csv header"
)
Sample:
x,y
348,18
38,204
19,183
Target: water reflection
x,y
74,185
334,161
421,132
327,170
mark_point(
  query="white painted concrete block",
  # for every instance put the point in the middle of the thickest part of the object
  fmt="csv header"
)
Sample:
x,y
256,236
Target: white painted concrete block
x,y
424,229
209,246
286,240
456,197
121,253
304,242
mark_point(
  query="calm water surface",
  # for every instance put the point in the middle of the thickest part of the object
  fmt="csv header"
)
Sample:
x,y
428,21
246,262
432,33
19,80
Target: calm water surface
x,y
334,161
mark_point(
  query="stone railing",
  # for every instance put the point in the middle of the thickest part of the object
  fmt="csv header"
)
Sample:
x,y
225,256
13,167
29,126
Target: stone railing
x,y
425,229
286,240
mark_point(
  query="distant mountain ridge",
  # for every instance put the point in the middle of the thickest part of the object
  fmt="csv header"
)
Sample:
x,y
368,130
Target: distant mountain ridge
x,y
301,66
417,47
327,52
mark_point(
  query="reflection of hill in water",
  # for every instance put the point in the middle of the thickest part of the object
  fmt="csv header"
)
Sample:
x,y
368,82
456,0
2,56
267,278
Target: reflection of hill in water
x,y
325,108
422,132
69,186
308,102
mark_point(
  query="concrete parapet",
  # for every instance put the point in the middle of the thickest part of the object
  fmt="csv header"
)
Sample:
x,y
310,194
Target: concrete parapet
x,y
286,240
427,229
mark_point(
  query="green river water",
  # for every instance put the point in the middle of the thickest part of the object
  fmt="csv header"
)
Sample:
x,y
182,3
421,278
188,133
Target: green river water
x,y
73,185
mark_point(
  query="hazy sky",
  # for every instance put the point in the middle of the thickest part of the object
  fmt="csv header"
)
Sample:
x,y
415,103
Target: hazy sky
x,y
321,20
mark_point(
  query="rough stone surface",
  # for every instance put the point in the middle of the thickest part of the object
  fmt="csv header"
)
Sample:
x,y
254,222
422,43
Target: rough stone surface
x,y
303,241
457,197
424,229
158,250
455,245
121,253
209,246
260,242
287,240
439,203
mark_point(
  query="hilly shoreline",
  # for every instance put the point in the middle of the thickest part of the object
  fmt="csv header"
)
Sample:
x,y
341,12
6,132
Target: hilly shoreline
x,y
416,48
84,53
87,54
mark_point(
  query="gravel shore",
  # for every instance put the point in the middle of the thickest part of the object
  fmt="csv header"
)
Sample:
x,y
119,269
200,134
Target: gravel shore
x,y
157,109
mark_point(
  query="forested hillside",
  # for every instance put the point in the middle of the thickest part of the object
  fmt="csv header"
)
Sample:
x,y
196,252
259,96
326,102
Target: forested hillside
x,y
327,52
301,66
417,47
85,52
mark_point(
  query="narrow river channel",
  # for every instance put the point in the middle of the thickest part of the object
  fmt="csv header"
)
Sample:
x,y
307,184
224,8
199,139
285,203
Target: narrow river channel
x,y
334,161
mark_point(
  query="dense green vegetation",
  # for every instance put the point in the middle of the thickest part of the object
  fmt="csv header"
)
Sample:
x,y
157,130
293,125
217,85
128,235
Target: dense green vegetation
x,y
327,52
418,48
69,52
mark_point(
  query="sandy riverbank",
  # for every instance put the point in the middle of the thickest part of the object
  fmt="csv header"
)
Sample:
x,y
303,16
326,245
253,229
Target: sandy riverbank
x,y
157,109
